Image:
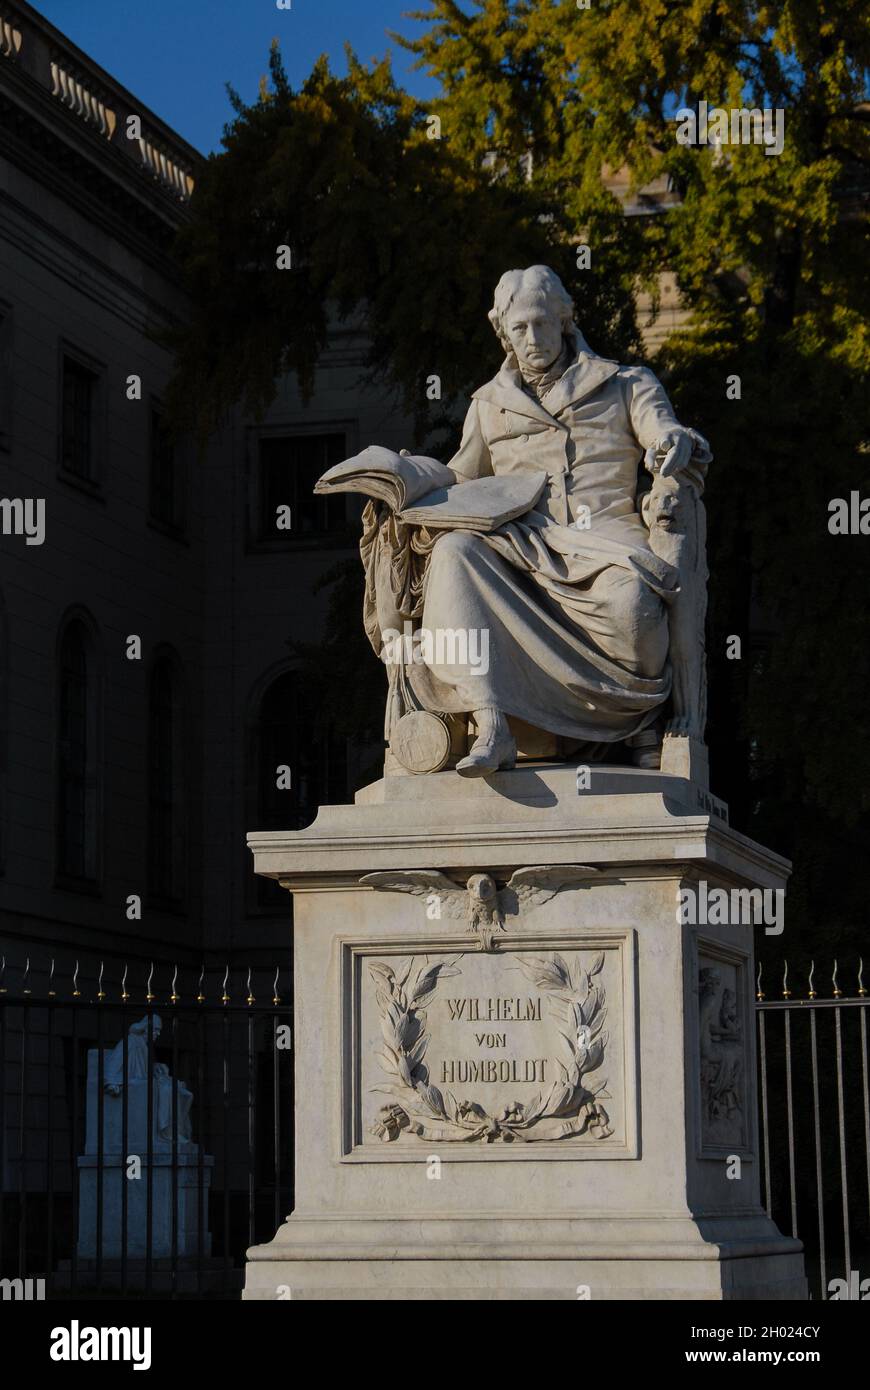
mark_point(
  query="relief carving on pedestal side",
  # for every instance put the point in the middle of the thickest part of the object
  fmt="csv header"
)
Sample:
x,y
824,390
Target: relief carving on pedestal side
x,y
479,901
563,1107
722,1057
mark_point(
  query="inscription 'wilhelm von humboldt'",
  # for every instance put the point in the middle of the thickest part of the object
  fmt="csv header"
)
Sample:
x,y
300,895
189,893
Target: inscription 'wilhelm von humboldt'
x,y
496,1010
474,1009
562,1106
492,1070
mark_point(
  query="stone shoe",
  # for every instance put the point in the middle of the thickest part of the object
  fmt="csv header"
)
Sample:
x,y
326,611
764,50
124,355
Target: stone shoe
x,y
494,747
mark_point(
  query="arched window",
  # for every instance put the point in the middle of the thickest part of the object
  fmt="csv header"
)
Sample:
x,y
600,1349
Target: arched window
x,y
78,761
289,734
167,830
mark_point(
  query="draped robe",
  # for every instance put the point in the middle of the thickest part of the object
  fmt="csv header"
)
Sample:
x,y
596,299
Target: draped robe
x,y
572,597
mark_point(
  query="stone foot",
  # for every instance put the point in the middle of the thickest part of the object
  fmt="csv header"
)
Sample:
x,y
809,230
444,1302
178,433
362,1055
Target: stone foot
x,y
494,747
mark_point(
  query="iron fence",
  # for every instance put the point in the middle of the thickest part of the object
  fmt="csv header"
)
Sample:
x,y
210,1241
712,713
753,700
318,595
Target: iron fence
x,y
146,1138
161,1196
814,1104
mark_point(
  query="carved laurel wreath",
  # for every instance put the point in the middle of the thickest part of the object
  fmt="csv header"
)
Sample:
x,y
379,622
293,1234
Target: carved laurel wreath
x,y
568,1108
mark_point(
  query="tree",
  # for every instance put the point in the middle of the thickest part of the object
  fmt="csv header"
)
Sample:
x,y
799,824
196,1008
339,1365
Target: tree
x,y
371,211
536,102
770,257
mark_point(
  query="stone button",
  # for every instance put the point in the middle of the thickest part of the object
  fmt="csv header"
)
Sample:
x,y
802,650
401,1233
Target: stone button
x,y
524,439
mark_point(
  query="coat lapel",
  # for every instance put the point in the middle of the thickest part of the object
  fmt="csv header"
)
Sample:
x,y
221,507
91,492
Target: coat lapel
x,y
506,392
579,381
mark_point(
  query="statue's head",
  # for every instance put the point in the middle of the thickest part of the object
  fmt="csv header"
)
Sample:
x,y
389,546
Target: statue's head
x,y
709,981
482,887
142,1026
533,315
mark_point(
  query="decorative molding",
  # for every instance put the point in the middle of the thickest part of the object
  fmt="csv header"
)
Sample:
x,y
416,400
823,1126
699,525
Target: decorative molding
x,y
358,1100
158,163
566,1109
68,89
76,266
155,161
10,40
479,901
673,842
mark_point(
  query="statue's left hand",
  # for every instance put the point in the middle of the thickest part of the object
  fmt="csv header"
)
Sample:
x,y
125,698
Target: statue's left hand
x,y
670,454
680,451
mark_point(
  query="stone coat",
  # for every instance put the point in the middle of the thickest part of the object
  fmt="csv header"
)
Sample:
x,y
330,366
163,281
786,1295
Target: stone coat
x,y
573,602
589,437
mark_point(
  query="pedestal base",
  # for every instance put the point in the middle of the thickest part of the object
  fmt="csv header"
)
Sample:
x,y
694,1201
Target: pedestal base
x,y
525,1058
538,1258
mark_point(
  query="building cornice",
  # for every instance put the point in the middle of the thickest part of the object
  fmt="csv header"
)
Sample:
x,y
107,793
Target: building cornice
x,y
82,269
67,122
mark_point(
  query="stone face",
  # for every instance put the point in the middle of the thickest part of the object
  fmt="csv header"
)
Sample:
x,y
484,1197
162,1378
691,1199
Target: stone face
x,y
567,1085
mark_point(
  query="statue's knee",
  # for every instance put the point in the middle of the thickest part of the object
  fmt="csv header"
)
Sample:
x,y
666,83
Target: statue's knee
x,y
454,548
639,616
634,605
652,648
456,543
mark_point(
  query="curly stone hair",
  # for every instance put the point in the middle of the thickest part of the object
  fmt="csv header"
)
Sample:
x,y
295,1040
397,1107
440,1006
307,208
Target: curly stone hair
x,y
537,279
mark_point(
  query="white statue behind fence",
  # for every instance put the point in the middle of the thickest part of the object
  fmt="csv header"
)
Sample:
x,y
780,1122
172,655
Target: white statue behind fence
x,y
119,1159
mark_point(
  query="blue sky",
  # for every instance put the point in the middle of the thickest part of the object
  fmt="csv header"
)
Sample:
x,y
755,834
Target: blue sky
x,y
177,55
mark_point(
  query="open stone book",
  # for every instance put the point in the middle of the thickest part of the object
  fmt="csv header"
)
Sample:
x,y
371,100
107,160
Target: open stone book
x,y
422,492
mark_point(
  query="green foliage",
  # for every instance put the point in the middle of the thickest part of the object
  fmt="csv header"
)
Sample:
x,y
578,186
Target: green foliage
x,y
407,236
771,259
373,210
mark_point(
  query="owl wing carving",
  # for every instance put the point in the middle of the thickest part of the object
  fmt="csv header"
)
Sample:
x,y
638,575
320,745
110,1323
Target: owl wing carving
x,y
531,887
423,883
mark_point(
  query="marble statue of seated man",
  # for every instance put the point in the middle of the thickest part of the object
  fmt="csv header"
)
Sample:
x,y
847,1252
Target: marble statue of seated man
x,y
577,596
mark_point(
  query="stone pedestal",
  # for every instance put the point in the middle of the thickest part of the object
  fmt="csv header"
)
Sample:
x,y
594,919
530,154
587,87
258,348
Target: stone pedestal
x,y
550,1095
115,1178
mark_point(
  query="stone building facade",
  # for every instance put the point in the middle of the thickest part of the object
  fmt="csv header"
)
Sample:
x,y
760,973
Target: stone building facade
x,y
127,774
134,771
